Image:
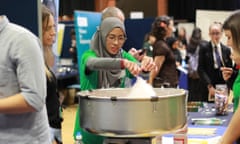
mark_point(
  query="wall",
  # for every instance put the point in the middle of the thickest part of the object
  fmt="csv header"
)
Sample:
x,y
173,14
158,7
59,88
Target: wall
x,y
24,13
136,30
148,7
204,18
151,7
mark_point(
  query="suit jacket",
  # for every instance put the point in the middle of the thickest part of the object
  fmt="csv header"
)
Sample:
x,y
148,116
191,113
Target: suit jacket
x,y
208,74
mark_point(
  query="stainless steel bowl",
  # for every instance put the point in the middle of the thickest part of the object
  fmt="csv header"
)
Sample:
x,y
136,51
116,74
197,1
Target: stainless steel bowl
x,y
110,112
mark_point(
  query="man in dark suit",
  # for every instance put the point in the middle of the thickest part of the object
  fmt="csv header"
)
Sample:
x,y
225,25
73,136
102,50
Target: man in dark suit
x,y
212,56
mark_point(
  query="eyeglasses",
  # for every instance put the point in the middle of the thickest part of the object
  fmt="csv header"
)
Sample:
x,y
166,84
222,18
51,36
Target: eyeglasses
x,y
215,25
215,22
113,38
215,33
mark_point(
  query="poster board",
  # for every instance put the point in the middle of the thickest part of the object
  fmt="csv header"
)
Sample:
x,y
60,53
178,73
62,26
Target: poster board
x,y
85,25
60,33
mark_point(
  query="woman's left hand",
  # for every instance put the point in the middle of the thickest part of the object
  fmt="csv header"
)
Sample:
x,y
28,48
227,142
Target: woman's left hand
x,y
132,67
148,64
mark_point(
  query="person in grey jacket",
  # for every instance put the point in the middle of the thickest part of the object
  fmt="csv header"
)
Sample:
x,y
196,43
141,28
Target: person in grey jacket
x,y
23,116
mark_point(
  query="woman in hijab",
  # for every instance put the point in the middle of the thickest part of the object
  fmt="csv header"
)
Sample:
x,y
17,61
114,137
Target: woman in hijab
x,y
107,65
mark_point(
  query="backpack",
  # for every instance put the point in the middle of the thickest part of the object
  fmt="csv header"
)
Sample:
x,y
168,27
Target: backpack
x,y
193,64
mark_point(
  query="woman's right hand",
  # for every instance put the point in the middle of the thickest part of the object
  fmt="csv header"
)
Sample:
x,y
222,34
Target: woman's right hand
x,y
132,67
137,54
226,72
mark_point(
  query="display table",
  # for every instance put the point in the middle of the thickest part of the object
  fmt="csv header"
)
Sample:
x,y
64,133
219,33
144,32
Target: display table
x,y
67,76
197,135
208,112
68,83
204,126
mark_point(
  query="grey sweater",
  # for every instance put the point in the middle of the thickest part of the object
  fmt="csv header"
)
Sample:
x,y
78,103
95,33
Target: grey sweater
x,y
22,71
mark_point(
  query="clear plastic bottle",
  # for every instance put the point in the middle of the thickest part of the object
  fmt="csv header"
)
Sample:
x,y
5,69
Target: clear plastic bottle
x,y
78,138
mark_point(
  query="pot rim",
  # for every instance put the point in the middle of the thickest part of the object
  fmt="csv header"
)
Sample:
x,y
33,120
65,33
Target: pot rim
x,y
93,94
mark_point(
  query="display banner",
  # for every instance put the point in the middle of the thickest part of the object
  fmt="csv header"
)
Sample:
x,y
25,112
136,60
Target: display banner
x,y
86,24
60,33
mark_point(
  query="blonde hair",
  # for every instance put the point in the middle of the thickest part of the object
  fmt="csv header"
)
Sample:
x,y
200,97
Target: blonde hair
x,y
47,51
48,56
48,73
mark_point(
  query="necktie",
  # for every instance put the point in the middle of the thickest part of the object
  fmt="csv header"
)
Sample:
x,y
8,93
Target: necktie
x,y
218,59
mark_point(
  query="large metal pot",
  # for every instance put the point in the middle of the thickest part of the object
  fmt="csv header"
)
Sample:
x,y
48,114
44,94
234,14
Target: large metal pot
x,y
110,112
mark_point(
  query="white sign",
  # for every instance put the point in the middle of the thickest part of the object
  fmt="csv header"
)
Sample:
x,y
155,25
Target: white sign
x,y
136,15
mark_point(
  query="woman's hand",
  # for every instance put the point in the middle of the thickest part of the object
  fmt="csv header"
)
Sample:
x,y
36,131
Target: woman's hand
x,y
211,92
132,67
148,64
226,72
137,54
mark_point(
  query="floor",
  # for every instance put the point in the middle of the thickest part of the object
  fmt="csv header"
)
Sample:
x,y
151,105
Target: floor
x,y
68,124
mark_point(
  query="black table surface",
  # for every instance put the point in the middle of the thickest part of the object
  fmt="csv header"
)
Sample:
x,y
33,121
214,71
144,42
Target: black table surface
x,y
67,76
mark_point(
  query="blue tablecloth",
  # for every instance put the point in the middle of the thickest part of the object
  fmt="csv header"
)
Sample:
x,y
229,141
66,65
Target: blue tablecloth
x,y
209,112
183,81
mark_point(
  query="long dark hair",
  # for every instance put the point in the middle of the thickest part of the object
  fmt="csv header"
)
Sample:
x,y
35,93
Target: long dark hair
x,y
195,40
159,27
232,23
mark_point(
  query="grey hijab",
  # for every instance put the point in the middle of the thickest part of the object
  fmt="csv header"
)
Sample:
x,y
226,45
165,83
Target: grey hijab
x,y
107,78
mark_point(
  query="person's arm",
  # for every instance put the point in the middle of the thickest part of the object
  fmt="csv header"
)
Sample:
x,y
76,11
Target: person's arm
x,y
202,65
158,60
27,56
226,73
231,80
95,63
233,130
160,51
15,104
112,64
147,64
